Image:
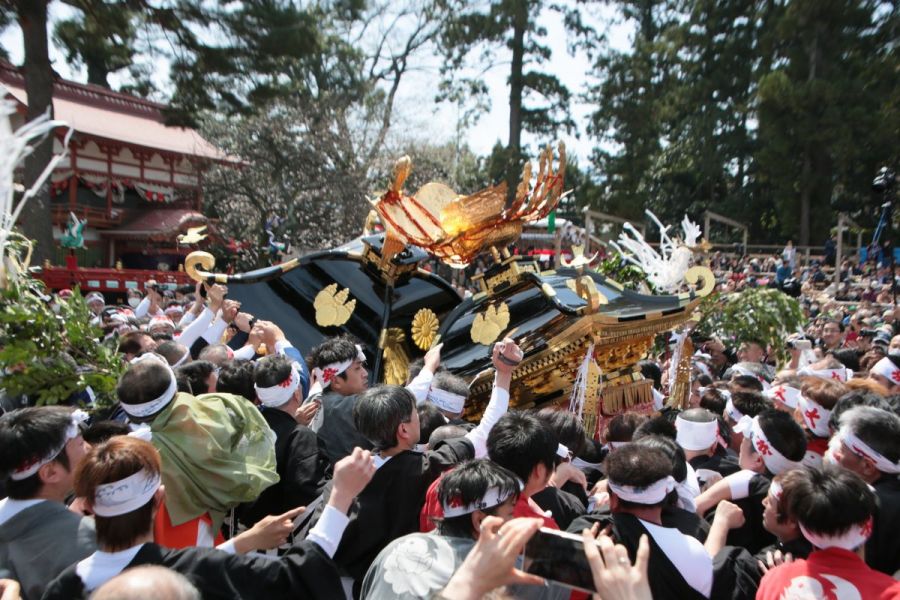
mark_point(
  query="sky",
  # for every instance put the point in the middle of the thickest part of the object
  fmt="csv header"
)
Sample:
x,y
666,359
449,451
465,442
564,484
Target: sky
x,y
437,122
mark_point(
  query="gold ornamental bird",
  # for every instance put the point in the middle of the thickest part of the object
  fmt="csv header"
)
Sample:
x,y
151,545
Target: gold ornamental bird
x,y
193,235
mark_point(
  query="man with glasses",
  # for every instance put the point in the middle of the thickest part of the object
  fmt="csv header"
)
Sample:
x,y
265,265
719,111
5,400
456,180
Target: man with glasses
x,y
39,535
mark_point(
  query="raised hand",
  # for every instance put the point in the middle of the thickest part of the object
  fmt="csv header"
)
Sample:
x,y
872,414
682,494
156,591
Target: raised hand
x,y
351,475
614,576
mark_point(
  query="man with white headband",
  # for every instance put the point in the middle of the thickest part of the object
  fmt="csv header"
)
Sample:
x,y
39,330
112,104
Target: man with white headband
x,y
339,375
300,464
39,535
121,480
817,399
217,450
639,481
868,443
389,507
698,435
887,372
469,493
773,443
834,510
448,393
739,404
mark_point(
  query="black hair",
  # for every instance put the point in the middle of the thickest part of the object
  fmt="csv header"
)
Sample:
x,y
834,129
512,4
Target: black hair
x,y
672,450
444,432
171,351
650,370
272,370
237,377
829,500
162,337
750,403
783,433
621,427
468,483
380,410
196,374
141,383
637,466
593,451
849,357
216,354
704,379
879,429
333,350
520,442
415,367
713,400
30,434
860,397
130,343
448,382
100,431
430,418
659,425
836,322
567,427
747,382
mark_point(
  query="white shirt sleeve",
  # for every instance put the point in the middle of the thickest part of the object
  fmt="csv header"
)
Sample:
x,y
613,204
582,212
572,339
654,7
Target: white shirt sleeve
x,y
739,483
186,319
227,547
328,532
196,329
245,353
143,308
213,334
496,408
420,385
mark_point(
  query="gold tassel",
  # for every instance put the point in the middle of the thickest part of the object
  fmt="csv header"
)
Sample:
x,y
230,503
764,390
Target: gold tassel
x,y
681,390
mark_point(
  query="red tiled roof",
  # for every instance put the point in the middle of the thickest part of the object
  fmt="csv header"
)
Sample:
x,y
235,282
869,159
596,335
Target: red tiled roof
x,y
97,111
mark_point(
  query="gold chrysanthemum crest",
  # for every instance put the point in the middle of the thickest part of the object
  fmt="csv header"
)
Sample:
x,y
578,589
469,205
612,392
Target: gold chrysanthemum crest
x,y
424,327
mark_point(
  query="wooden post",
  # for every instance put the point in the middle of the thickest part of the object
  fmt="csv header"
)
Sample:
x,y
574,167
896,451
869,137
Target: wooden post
x,y
840,249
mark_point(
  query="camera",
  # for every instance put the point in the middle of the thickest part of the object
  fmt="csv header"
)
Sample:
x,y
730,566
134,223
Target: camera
x,y
800,344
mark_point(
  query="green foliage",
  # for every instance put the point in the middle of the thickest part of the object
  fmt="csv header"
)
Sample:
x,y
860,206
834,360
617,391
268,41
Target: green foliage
x,y
49,356
762,314
776,114
538,100
102,38
620,271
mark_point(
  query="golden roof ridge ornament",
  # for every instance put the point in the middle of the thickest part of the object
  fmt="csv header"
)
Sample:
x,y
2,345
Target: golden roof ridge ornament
x,y
455,227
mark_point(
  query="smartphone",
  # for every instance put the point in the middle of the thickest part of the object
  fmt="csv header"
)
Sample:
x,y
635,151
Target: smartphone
x,y
559,556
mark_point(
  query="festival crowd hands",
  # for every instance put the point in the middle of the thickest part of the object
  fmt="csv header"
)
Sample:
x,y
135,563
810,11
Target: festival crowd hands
x,y
492,563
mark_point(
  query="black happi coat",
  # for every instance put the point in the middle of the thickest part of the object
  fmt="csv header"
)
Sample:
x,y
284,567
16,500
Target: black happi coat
x,y
883,548
724,462
300,465
564,507
389,507
304,572
666,582
751,535
338,435
737,573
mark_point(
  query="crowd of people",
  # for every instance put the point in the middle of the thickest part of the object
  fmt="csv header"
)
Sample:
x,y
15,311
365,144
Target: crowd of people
x,y
234,467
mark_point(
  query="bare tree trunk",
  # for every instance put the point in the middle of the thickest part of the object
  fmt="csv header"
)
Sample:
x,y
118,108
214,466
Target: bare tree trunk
x,y
35,220
516,86
807,184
